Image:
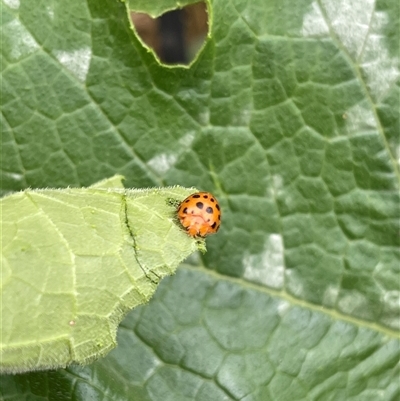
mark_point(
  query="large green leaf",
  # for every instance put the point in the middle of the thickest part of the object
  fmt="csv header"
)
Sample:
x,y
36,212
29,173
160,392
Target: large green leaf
x,y
290,116
156,8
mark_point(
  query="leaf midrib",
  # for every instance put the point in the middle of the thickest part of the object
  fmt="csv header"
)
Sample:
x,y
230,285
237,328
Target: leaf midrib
x,y
293,301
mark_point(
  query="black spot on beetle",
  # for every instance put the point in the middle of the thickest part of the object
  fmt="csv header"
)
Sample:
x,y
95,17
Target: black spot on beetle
x,y
219,217
212,199
217,206
196,196
200,205
184,210
209,209
214,225
205,196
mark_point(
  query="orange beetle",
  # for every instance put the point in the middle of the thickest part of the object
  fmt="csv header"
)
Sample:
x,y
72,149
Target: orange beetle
x,y
200,214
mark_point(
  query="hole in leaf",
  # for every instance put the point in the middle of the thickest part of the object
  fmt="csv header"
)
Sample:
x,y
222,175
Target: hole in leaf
x,y
177,36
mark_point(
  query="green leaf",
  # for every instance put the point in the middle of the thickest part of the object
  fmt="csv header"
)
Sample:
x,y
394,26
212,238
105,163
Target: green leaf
x,y
74,261
157,8
290,117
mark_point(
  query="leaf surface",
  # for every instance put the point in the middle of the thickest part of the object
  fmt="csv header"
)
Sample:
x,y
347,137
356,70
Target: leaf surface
x,y
290,117
74,261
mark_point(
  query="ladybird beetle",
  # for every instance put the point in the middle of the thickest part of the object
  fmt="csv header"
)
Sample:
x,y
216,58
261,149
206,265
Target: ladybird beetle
x,y
200,214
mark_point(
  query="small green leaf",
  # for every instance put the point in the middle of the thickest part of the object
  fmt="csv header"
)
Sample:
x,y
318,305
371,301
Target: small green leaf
x,y
74,261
